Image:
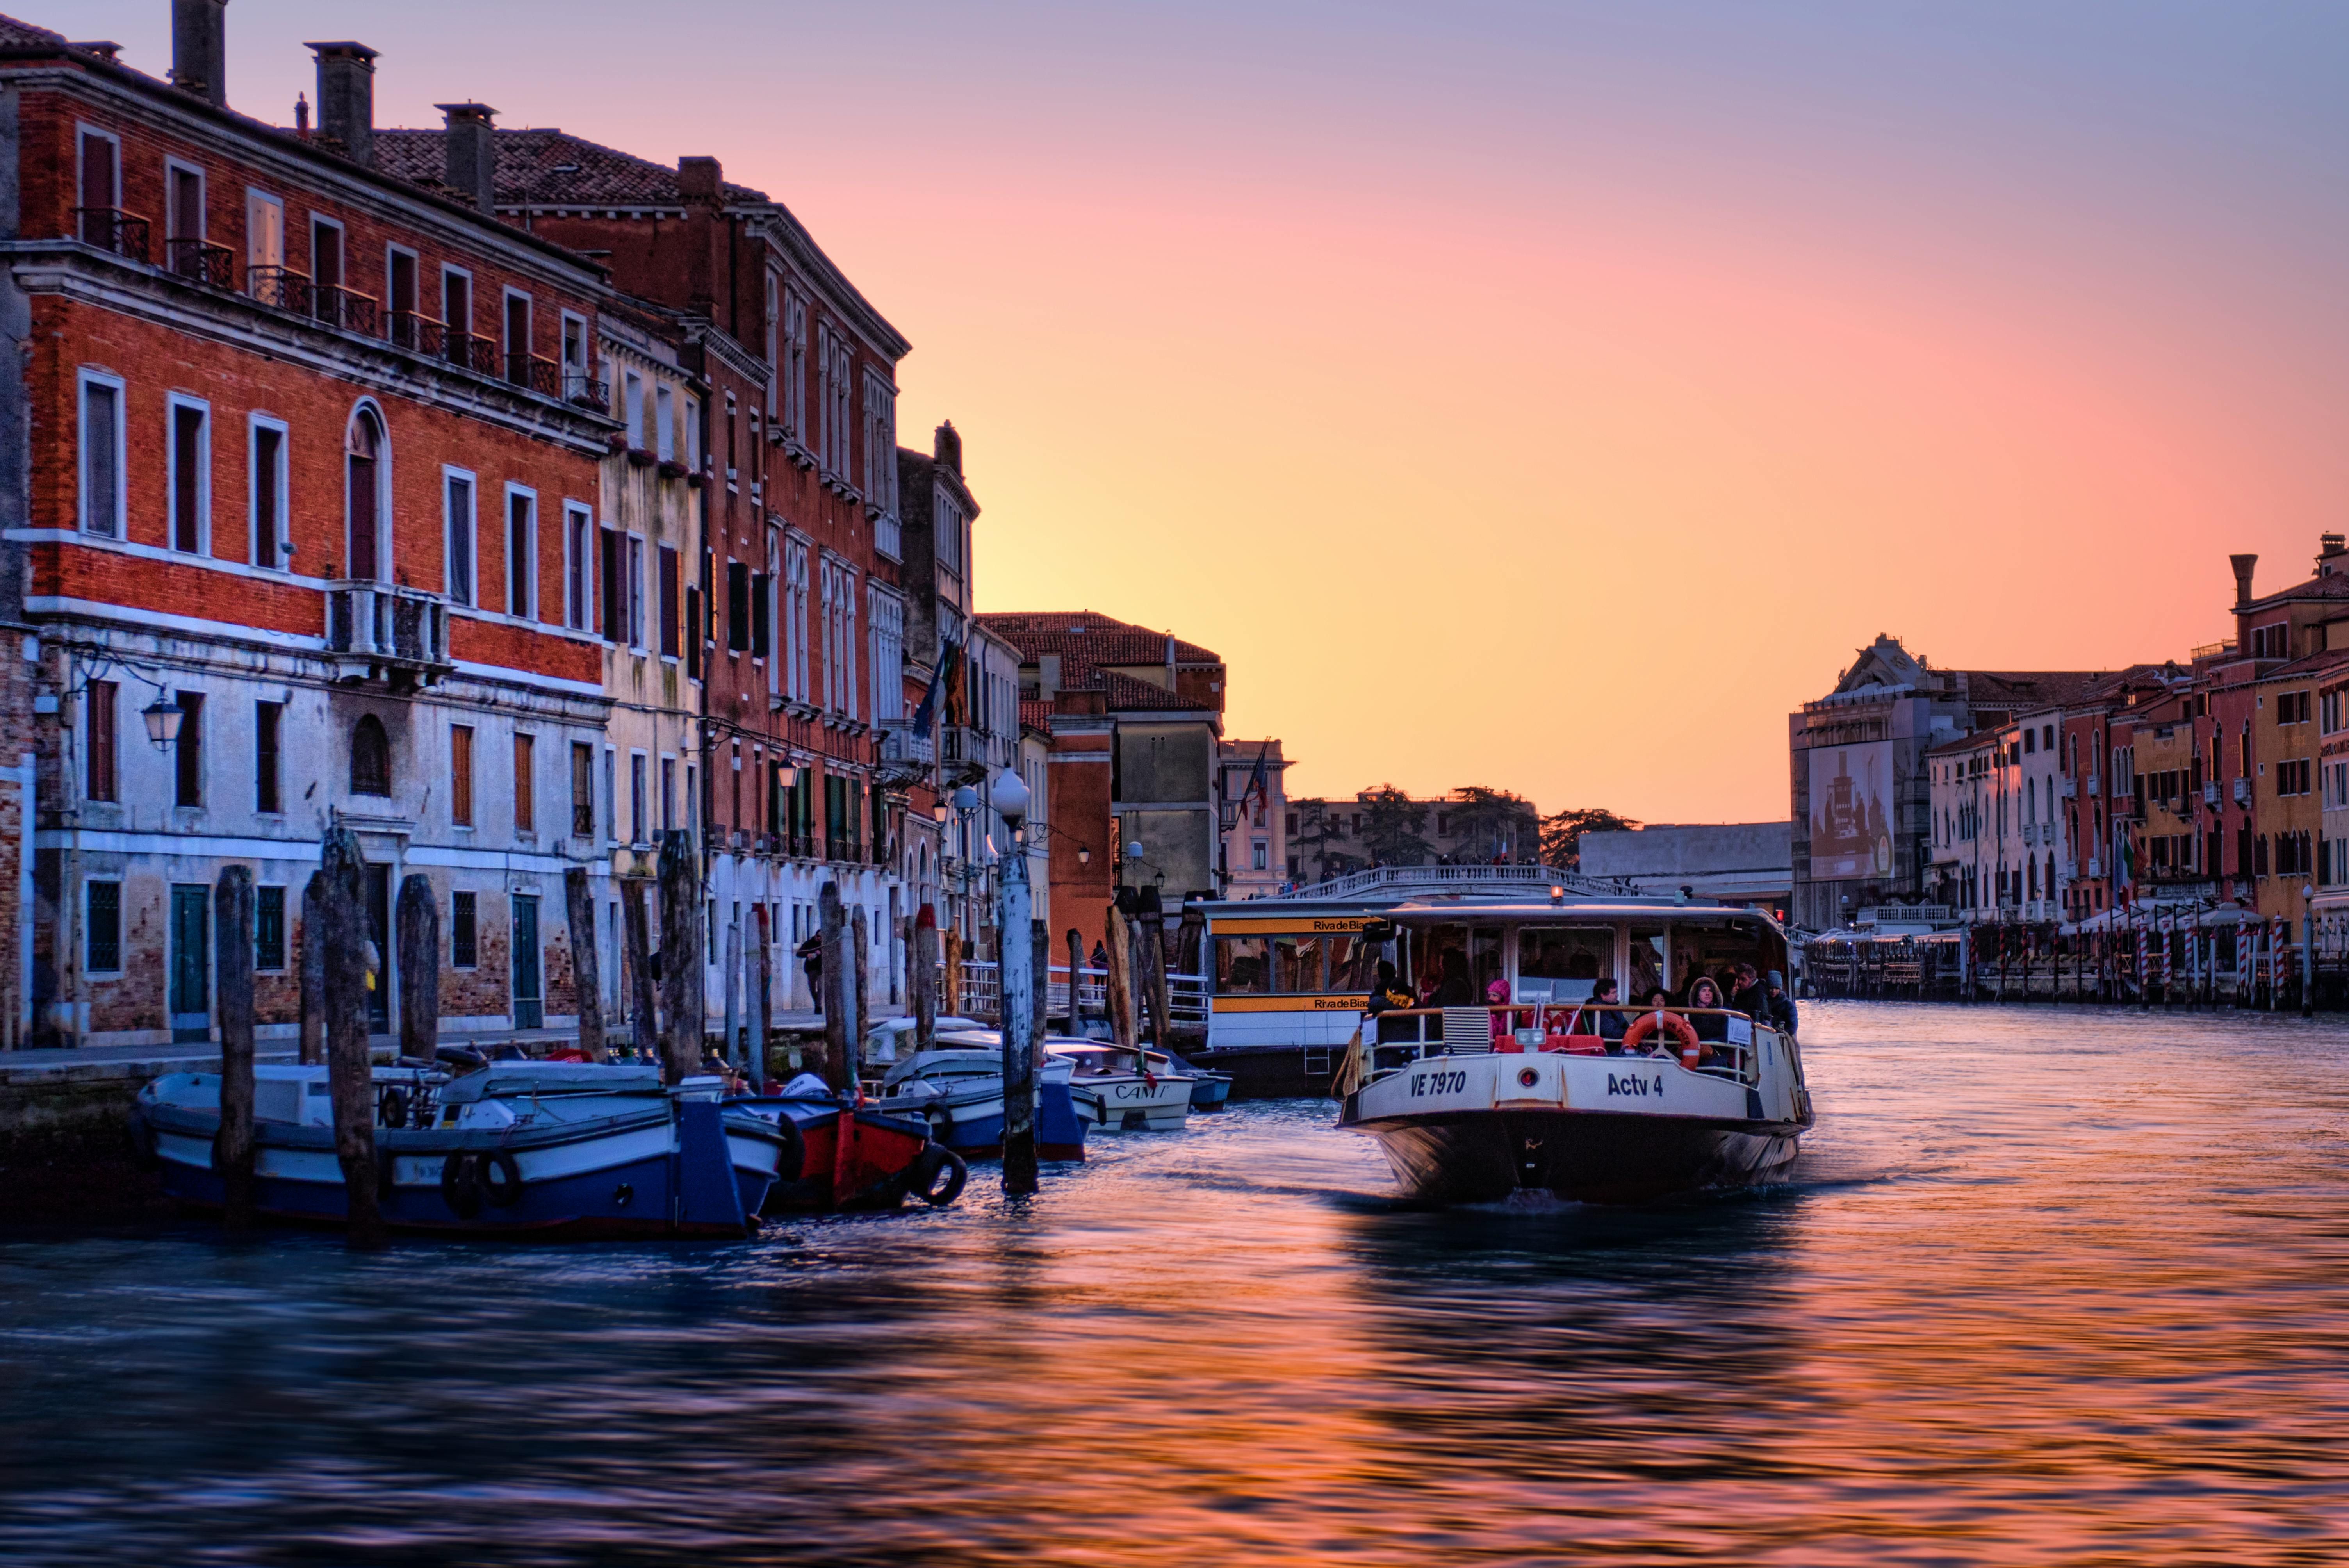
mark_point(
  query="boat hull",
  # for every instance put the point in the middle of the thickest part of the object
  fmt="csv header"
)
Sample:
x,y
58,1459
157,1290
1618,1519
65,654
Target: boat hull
x,y
692,1175
1471,1157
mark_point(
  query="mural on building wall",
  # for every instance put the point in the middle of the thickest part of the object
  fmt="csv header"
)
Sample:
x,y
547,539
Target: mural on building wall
x,y
1851,818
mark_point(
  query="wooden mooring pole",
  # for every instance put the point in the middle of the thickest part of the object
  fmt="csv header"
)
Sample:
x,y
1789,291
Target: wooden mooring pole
x,y
923,980
833,923
762,1014
418,923
644,1026
1076,981
350,1074
313,1038
681,998
232,917
586,969
1119,947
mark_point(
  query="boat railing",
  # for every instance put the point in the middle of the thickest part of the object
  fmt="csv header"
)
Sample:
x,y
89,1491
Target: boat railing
x,y
1468,1031
981,993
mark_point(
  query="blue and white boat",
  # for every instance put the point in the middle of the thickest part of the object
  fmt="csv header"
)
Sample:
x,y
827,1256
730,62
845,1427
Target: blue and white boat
x,y
1124,1089
519,1147
957,1088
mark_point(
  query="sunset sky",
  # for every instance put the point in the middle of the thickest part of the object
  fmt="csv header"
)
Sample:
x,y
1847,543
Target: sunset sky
x,y
1549,396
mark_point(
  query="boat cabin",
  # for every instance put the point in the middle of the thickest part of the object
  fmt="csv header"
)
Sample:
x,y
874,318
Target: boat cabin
x,y
1303,978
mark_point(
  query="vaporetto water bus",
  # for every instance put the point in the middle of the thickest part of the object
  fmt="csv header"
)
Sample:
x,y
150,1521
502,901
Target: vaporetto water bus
x,y
1288,977
1542,1089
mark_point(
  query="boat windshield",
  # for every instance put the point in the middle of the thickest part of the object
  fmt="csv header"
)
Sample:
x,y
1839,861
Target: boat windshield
x,y
1563,963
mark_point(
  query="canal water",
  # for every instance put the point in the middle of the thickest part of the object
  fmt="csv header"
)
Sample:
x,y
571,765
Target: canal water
x,y
2047,1286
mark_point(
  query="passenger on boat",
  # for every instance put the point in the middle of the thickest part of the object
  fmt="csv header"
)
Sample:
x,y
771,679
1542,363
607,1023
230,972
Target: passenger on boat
x,y
1602,1016
1782,1006
1496,994
1709,1026
1388,995
1453,990
1749,995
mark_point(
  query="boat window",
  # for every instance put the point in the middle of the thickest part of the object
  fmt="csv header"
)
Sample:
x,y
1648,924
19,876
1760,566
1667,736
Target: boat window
x,y
1444,973
1484,956
1563,963
1649,947
1296,965
1353,964
1718,950
1243,967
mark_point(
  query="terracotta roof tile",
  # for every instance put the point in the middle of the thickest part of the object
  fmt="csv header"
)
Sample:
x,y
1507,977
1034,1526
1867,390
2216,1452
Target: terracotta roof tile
x,y
16,35
548,167
1125,693
1084,640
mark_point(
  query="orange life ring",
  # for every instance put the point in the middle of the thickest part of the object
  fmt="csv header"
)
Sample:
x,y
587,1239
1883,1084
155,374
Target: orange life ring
x,y
1658,1019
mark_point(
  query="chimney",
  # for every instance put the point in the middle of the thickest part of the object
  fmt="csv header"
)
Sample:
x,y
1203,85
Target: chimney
x,y
2242,565
948,448
2330,549
200,48
697,179
472,153
347,97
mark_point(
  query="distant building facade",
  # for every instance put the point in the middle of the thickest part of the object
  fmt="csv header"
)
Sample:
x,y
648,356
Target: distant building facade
x,y
1736,862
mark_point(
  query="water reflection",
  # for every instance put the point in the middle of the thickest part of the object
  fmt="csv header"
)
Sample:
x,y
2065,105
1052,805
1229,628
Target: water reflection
x,y
2047,1287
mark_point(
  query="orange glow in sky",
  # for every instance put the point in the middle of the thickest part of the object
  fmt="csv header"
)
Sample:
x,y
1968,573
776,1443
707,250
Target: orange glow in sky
x,y
1545,395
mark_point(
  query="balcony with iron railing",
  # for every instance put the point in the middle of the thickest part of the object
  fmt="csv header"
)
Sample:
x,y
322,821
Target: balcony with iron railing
x,y
377,629
472,351
419,333
199,261
526,369
586,391
112,229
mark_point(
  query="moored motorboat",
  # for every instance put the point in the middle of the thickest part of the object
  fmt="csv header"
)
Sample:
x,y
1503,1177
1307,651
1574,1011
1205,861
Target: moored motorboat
x,y
1209,1089
1124,1089
957,1086
855,1156
515,1148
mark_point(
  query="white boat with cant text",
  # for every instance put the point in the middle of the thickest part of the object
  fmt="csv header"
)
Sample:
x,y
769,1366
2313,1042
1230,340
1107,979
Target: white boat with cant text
x,y
1538,1091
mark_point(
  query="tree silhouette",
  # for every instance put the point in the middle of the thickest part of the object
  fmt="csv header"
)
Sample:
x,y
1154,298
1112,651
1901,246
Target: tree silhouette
x,y
1489,822
1391,821
1561,833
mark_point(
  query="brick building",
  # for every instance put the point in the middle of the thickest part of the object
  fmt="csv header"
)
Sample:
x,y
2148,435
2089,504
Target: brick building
x,y
804,633
303,434
1252,847
1136,716
1470,826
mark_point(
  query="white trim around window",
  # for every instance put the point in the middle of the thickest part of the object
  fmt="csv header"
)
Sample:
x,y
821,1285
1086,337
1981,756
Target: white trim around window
x,y
175,403
578,566
468,533
105,516
271,534
528,574
83,130
170,208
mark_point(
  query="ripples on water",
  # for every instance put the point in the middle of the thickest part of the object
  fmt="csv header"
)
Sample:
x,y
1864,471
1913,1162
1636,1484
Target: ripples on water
x,y
2047,1287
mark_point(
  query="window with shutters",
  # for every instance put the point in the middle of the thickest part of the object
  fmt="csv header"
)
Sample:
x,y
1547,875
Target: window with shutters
x,y
671,609
460,775
738,605
266,475
101,707
886,614
525,783
578,567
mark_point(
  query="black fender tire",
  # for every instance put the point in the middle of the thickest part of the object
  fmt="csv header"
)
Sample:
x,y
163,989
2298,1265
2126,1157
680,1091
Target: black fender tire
x,y
792,1163
393,1106
499,1178
458,1189
939,1176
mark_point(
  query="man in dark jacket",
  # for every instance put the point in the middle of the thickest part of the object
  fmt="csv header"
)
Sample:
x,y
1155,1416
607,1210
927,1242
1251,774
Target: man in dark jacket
x,y
1749,995
811,954
1781,1007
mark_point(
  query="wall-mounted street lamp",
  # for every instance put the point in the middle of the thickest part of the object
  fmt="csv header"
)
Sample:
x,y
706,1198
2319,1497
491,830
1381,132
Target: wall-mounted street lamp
x,y
1085,854
163,720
